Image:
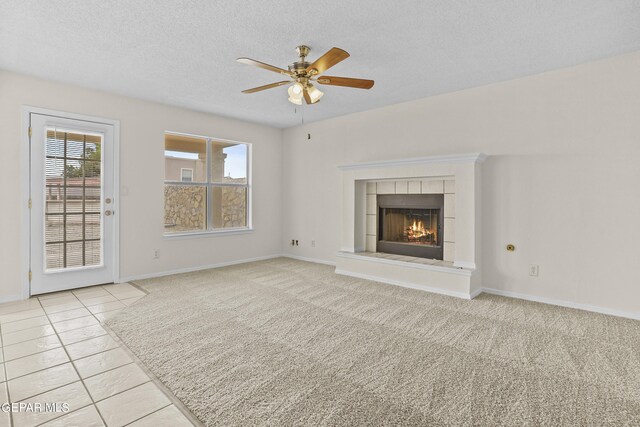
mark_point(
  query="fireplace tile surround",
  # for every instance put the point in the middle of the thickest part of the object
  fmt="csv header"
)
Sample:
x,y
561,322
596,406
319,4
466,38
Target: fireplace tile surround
x,y
423,186
457,178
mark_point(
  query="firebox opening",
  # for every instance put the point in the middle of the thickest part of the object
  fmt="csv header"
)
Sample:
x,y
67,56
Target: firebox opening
x,y
411,224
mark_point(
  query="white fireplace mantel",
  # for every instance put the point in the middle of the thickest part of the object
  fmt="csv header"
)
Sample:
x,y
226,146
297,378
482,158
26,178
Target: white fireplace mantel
x,y
454,158
463,168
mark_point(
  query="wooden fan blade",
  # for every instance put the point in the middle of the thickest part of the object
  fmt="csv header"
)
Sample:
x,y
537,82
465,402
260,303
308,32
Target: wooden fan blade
x,y
346,81
269,86
328,60
306,96
255,63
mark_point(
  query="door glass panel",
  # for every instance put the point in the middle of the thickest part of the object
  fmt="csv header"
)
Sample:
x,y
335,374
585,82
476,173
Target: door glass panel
x,y
73,205
54,255
92,227
74,254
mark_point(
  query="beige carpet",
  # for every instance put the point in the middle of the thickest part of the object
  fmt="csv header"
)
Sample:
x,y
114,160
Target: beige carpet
x,y
284,342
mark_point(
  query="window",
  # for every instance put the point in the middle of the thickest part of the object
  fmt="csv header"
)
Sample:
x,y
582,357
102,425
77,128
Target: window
x,y
186,174
73,185
207,184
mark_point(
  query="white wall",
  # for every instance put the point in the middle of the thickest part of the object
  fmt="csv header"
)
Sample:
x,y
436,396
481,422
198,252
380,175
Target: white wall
x,y
562,181
141,177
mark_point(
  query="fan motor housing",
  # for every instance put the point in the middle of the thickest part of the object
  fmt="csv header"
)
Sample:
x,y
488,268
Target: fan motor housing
x,y
299,67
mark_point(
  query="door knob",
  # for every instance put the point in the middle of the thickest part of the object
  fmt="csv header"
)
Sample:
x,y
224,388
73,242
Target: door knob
x,y
107,212
107,200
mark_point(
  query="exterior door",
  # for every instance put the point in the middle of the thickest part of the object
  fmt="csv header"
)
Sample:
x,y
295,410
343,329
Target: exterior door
x,y
72,203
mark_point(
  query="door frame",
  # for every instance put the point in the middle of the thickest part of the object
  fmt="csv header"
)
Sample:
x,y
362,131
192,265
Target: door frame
x,y
25,179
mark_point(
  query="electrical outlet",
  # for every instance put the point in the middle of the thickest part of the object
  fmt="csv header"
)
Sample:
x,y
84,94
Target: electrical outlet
x,y
534,269
296,243
293,242
313,243
156,254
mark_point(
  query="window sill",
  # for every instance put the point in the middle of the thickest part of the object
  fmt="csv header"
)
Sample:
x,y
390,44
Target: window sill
x,y
207,233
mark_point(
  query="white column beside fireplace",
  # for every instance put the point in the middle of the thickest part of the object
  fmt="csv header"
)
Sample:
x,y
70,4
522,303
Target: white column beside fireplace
x,y
459,274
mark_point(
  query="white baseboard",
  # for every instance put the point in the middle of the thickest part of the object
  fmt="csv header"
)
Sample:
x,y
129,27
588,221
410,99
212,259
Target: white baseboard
x,y
561,303
404,284
476,293
12,298
510,294
316,260
197,268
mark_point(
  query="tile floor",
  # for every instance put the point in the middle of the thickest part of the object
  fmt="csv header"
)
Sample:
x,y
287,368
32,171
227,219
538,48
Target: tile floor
x,y
54,349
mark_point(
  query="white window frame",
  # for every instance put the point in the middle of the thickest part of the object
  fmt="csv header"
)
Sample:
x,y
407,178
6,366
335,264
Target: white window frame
x,y
210,231
182,174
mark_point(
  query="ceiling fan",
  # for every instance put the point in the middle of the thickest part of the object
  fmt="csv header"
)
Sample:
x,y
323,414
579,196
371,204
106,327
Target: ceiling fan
x,y
303,73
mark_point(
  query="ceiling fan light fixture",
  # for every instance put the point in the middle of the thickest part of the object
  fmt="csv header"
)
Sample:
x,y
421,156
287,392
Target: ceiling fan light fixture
x,y
302,73
314,93
296,89
295,93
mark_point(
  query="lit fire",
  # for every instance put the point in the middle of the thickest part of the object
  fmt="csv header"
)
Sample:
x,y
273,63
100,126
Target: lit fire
x,y
417,231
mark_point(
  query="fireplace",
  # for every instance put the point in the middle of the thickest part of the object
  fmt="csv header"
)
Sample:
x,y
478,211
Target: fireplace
x,y
411,224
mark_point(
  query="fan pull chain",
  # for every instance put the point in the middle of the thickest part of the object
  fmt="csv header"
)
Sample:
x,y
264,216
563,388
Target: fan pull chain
x,y
295,111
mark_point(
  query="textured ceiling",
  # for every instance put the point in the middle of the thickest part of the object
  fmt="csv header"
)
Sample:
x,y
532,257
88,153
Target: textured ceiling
x,y
183,52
